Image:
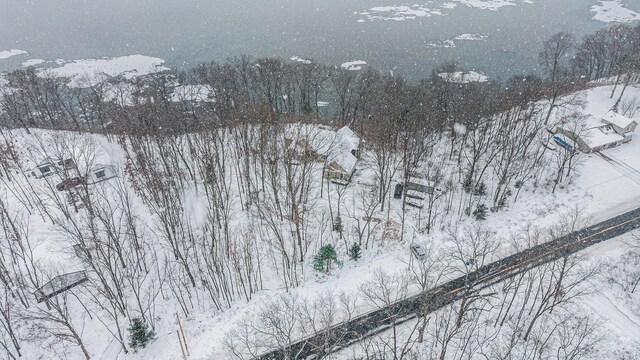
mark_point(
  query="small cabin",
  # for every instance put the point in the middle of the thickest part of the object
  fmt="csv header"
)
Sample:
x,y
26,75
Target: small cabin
x,y
101,173
67,164
43,170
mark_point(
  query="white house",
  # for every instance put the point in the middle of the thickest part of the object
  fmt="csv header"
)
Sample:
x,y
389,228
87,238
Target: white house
x,y
612,130
339,150
621,124
342,155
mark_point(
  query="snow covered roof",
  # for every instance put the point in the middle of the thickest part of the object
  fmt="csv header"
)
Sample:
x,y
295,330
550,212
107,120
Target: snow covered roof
x,y
419,181
348,138
345,160
345,142
616,119
600,136
337,146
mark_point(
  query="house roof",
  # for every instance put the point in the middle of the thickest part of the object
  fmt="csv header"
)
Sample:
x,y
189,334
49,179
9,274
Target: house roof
x,y
348,138
345,160
419,181
603,135
335,145
616,119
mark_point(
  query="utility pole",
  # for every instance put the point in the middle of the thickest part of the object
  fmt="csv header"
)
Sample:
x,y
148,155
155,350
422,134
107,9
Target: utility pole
x,y
183,337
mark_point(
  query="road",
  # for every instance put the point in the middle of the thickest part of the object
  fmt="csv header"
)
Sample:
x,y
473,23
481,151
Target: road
x,y
366,325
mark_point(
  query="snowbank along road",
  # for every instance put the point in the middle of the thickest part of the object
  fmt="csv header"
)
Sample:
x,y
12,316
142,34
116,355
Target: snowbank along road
x,y
369,324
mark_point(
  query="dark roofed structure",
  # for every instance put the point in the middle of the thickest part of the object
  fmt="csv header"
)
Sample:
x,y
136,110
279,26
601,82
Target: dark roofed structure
x,y
59,284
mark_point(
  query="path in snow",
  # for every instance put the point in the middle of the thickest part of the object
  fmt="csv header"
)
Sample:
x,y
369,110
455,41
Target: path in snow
x,y
625,169
607,310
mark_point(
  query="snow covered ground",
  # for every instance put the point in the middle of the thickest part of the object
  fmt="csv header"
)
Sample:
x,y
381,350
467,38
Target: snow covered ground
x,y
81,71
299,59
601,189
462,77
354,65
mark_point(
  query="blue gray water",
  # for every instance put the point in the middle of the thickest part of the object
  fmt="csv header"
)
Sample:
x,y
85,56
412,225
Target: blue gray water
x,y
187,32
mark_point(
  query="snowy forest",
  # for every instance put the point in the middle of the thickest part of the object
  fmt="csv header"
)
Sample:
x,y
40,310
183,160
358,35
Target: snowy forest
x,y
216,202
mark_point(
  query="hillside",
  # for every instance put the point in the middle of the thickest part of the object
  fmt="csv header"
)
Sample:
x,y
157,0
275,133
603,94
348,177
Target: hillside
x,y
215,226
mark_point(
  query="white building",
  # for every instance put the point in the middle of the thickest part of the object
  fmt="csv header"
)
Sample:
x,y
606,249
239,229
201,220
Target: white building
x,y
342,155
339,150
612,130
43,170
621,124
101,173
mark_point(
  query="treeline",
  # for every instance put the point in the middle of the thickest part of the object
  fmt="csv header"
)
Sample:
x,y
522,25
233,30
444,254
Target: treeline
x,y
244,89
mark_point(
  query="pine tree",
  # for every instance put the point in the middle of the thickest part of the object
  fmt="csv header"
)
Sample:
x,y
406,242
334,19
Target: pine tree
x,y
139,334
480,190
355,252
323,259
481,212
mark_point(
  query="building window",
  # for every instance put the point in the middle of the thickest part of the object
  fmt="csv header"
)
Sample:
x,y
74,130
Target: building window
x,y
100,174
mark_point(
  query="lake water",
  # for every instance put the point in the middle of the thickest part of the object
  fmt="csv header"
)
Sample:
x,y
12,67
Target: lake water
x,y
187,32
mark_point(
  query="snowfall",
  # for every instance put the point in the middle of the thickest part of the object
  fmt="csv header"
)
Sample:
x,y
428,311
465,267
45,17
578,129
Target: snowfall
x,y
603,188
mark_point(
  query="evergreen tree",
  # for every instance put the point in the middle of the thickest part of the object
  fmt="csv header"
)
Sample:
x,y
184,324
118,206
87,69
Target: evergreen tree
x,y
480,190
481,212
139,334
355,252
323,259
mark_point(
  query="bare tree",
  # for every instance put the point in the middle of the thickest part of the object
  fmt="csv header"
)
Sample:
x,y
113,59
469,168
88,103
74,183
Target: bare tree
x,y
552,58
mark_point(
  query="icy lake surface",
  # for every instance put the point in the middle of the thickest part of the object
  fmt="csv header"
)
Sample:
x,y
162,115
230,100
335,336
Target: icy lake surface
x,y
407,38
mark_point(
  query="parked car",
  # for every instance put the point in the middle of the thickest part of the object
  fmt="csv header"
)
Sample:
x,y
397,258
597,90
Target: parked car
x,y
418,252
397,193
70,183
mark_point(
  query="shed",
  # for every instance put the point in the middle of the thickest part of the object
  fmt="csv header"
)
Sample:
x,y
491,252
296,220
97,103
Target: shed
x,y
67,164
101,173
43,170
